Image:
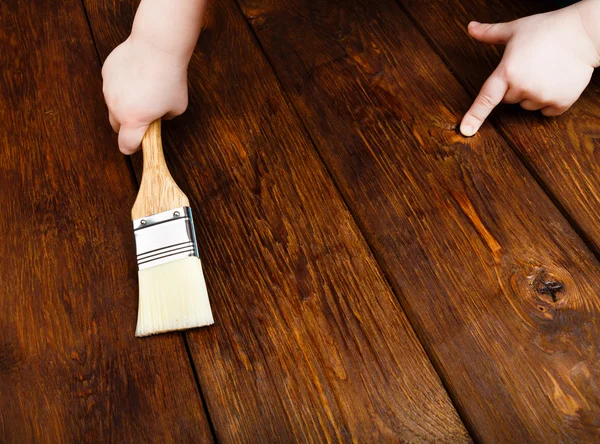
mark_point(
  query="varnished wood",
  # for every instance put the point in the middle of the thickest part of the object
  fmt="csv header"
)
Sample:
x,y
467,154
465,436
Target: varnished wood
x,y
561,151
71,370
309,342
158,191
500,289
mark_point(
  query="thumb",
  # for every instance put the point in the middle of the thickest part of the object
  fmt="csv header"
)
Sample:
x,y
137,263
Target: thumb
x,y
495,33
130,138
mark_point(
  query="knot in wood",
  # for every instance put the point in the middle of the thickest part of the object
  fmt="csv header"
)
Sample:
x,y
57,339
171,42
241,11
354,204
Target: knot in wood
x,y
549,287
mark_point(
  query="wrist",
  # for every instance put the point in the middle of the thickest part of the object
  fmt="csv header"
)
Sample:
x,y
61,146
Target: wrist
x,y
589,12
144,43
170,27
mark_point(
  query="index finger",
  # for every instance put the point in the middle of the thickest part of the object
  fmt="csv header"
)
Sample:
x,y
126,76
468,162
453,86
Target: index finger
x,y
491,94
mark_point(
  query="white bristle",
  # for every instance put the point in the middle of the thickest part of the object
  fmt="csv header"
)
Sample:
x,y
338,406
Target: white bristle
x,y
173,297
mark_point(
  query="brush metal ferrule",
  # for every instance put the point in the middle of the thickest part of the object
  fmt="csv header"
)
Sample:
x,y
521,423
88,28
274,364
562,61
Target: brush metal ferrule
x,y
165,237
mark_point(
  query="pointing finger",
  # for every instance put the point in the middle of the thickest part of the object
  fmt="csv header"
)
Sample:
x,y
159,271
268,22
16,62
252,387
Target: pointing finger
x,y
491,94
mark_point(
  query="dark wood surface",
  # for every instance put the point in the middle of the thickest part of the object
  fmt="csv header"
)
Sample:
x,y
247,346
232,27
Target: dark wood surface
x,y
562,152
309,341
370,270
70,367
473,247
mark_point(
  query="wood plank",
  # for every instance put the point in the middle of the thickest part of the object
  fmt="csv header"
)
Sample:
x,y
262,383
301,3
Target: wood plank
x,y
309,342
70,367
561,151
499,288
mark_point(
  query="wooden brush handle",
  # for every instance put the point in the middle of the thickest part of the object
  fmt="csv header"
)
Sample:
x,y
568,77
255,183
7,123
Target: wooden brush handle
x,y
158,191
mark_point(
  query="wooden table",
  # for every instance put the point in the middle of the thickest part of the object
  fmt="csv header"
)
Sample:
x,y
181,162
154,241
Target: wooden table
x,y
374,275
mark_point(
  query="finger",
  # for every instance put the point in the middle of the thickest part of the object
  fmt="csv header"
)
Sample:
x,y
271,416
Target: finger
x,y
177,110
130,138
513,95
114,122
171,115
553,110
491,94
494,33
531,105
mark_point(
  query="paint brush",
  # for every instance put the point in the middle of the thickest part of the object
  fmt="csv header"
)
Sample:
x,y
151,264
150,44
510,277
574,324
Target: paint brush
x,y
173,294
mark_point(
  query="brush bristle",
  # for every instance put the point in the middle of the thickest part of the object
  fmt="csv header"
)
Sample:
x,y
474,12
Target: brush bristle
x,y
173,297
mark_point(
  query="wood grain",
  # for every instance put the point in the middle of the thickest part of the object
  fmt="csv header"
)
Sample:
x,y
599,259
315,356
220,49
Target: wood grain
x,y
70,367
562,151
498,286
158,191
309,342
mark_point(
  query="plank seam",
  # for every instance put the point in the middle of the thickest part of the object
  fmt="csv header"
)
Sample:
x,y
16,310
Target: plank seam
x,y
198,386
360,228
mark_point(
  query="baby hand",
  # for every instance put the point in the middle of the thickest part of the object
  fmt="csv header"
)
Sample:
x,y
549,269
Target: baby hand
x,y
142,83
548,61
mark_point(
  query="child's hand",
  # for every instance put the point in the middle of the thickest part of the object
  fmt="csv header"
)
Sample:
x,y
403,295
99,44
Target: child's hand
x,y
142,83
548,61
